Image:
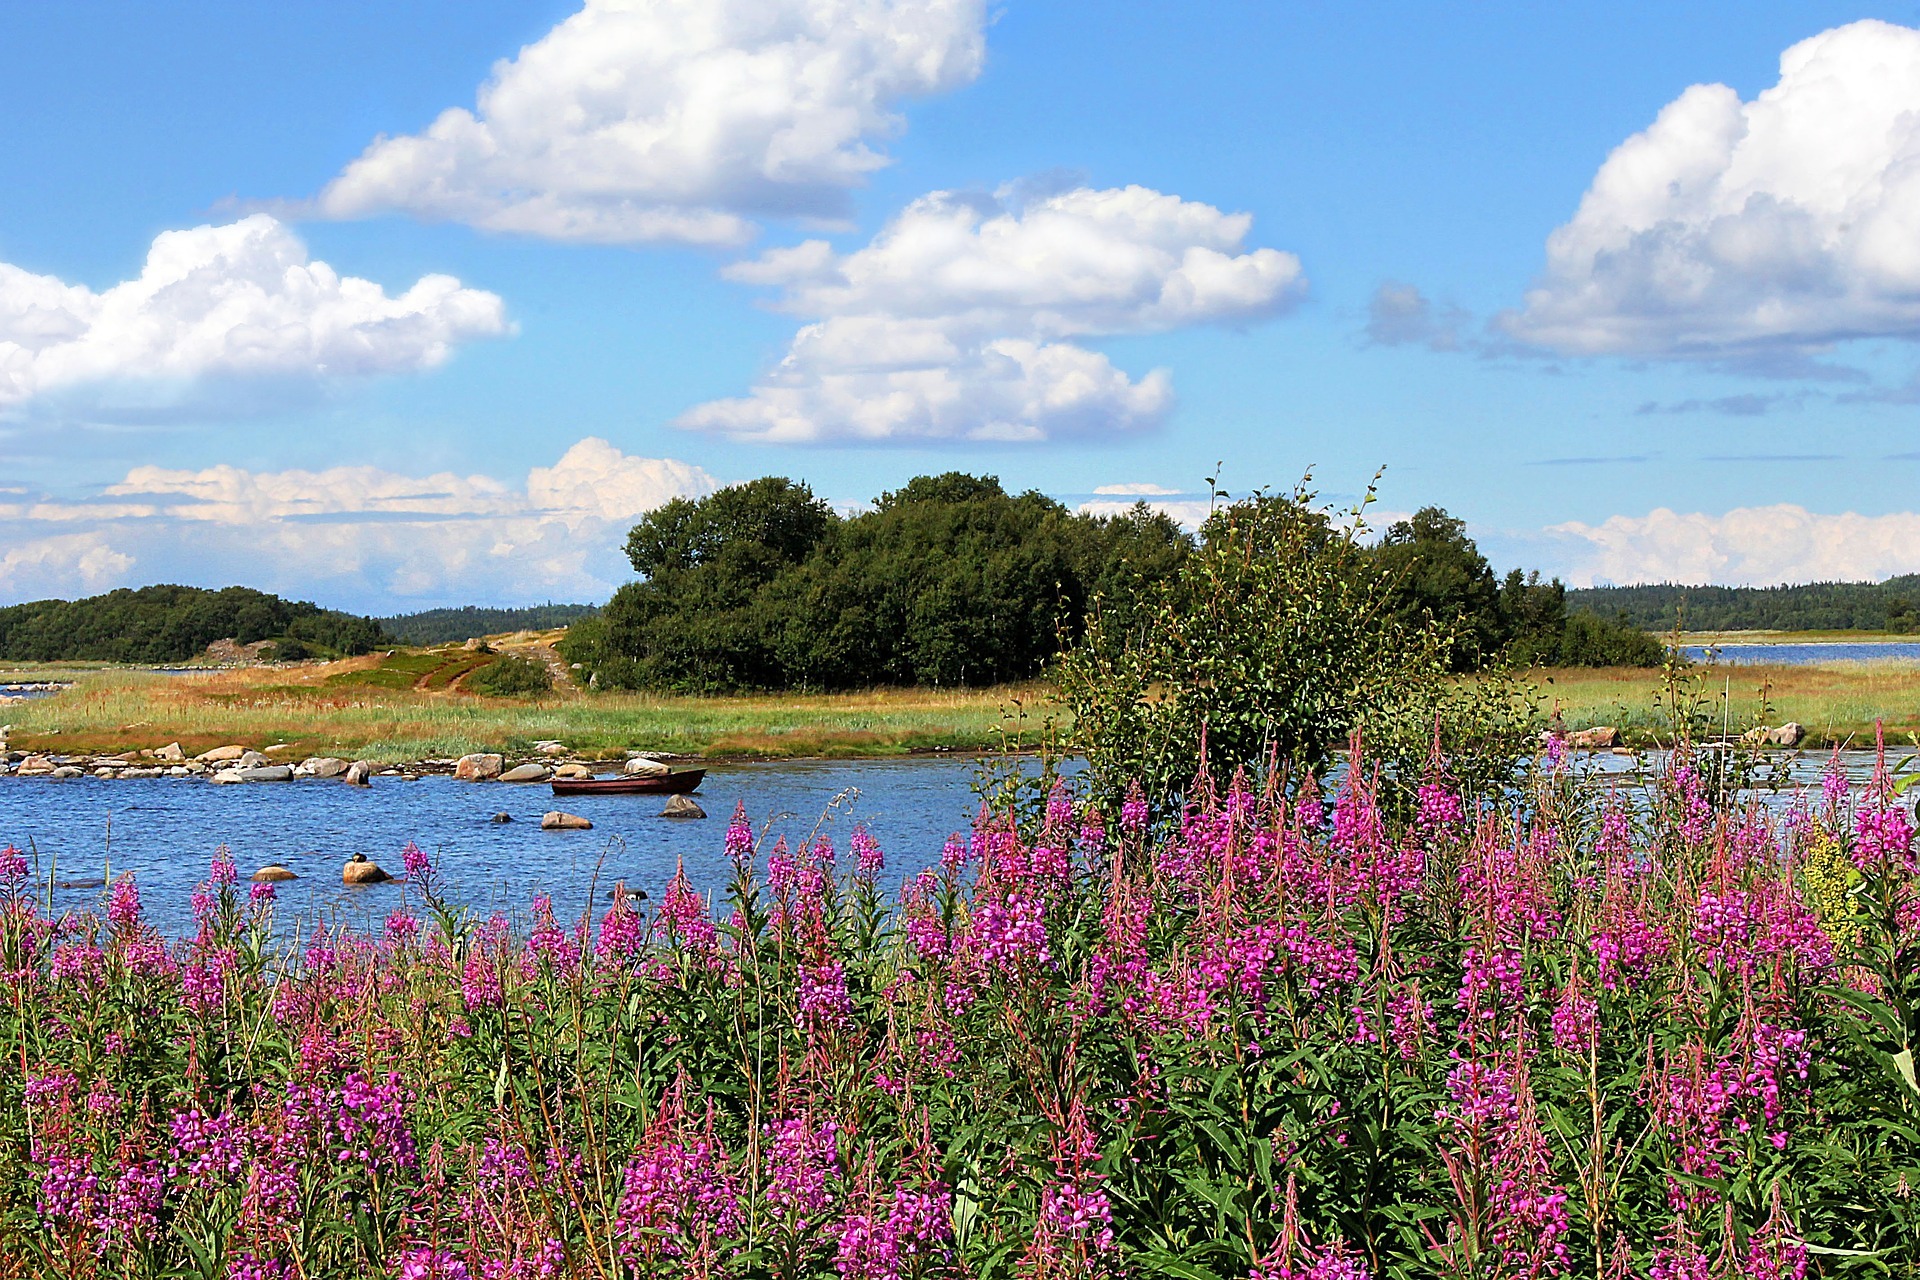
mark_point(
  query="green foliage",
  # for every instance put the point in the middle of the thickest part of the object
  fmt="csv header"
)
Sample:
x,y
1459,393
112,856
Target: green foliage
x,y
174,624
510,675
1815,606
1437,574
1274,642
948,581
441,626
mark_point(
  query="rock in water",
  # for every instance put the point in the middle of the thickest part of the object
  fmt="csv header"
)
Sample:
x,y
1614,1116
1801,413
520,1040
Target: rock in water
x,y
573,771
479,767
682,807
502,817
272,873
554,820
527,773
267,773
321,767
359,774
1601,737
1787,735
359,871
646,767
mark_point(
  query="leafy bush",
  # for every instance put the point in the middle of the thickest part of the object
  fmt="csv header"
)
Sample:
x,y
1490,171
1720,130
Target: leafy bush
x,y
1273,642
511,674
1563,1038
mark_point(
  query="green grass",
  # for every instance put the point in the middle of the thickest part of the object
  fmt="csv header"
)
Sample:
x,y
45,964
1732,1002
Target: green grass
x,y
1836,702
324,714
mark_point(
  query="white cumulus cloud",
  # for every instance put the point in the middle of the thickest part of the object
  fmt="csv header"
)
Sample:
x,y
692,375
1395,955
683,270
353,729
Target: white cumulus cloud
x,y
236,302
353,536
678,120
955,322
1785,223
1749,546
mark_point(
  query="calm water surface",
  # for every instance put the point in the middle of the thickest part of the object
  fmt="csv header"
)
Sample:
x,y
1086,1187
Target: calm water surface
x,y
1796,654
166,830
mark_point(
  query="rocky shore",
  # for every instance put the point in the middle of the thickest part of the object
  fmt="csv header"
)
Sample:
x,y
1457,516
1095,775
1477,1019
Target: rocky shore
x,y
236,763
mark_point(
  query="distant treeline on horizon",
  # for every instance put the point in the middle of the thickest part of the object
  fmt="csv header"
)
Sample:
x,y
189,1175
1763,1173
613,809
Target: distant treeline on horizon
x,y
440,626
1893,605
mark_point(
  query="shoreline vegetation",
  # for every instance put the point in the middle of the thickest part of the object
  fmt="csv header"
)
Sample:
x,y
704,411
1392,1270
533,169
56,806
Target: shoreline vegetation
x,y
414,706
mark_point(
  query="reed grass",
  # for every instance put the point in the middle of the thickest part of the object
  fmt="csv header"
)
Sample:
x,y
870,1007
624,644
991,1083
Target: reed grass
x,y
1836,702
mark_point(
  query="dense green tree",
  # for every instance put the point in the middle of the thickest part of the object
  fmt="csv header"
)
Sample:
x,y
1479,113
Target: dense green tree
x,y
1437,575
948,580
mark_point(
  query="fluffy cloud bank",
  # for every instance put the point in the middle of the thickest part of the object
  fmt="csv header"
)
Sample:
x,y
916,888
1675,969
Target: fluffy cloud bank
x,y
235,302
1750,546
352,536
1788,222
952,324
640,120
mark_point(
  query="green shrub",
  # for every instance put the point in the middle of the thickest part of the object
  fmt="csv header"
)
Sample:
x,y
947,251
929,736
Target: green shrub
x,y
510,675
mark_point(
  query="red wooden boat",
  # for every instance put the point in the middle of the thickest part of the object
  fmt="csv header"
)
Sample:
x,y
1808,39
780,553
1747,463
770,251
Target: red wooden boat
x,y
680,783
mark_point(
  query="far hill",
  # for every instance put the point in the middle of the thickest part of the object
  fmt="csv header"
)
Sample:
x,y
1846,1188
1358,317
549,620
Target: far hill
x,y
1893,605
438,626
176,624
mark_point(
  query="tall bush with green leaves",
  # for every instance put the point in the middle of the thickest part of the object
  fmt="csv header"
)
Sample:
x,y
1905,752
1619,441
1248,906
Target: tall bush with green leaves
x,y
1272,643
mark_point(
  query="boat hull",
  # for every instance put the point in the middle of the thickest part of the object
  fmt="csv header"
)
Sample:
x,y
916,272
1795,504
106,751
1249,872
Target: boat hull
x,y
680,783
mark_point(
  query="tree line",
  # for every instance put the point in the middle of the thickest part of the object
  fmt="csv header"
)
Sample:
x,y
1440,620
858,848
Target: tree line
x,y
952,580
1893,605
440,626
174,624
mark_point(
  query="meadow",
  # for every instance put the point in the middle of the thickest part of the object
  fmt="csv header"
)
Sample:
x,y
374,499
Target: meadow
x,y
1265,1038
411,707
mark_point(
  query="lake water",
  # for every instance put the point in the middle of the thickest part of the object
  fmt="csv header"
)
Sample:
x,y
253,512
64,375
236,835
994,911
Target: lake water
x,y
166,829
1806,654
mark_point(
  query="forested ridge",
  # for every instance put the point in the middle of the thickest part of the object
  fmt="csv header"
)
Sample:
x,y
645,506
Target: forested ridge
x,y
1893,605
438,626
173,624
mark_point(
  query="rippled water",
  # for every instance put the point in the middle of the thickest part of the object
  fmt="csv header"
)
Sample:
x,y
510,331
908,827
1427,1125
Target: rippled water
x,y
167,829
1807,654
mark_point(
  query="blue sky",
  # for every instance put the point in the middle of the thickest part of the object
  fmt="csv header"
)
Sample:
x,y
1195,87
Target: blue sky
x,y
1715,378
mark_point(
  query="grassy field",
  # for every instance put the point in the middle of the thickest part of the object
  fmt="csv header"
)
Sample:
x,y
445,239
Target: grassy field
x,y
1836,703
410,707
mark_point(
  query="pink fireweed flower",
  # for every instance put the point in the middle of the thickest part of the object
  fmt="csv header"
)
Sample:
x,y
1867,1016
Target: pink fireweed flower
x,y
13,867
427,1263
622,934
370,1124
866,852
684,913
673,1190
823,997
1081,1216
416,862
799,1164
400,930
123,905
222,873
1133,812
262,892
953,856
548,941
1010,935
739,843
